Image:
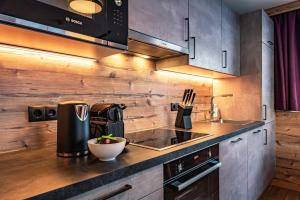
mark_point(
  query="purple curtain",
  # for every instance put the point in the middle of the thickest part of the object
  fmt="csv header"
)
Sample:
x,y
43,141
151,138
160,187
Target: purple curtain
x,y
287,61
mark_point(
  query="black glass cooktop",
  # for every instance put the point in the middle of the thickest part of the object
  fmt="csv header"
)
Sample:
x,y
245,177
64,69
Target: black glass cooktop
x,y
161,139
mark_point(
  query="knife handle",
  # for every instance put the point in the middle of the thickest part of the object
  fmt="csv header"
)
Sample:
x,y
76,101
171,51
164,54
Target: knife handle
x,y
193,98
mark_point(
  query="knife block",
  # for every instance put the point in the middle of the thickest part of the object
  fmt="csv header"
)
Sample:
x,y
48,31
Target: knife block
x,y
183,118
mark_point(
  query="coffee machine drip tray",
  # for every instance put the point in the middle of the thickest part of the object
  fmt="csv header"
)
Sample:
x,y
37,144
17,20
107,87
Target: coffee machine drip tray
x,y
161,139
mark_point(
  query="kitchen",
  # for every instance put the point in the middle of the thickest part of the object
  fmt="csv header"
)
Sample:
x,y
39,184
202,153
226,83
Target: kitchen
x,y
187,89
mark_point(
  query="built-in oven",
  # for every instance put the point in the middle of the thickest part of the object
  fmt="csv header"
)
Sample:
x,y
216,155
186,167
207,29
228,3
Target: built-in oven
x,y
193,177
99,21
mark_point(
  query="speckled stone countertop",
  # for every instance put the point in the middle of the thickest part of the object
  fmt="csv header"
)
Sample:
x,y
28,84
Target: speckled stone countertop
x,y
40,174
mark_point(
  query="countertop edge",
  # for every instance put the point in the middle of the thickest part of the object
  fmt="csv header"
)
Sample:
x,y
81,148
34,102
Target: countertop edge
x,y
101,180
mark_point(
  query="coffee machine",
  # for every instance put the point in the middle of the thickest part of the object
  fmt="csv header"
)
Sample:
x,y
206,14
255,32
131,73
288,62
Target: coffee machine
x,y
73,128
107,119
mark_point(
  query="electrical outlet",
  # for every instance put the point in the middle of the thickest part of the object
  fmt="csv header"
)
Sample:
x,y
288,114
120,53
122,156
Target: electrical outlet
x,y
36,113
50,113
174,106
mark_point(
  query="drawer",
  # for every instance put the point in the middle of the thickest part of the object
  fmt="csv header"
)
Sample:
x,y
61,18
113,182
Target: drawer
x,y
158,195
134,187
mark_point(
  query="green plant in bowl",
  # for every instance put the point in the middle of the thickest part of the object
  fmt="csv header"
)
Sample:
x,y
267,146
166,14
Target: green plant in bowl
x,y
106,139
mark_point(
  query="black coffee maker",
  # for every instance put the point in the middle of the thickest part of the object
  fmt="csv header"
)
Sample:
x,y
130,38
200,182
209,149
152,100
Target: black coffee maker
x,y
73,128
107,119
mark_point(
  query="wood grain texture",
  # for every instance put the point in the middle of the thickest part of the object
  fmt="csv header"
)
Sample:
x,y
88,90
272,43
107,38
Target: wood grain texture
x,y
283,8
288,150
277,193
31,80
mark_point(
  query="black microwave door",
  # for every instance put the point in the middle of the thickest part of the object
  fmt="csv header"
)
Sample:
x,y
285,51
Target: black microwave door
x,y
43,13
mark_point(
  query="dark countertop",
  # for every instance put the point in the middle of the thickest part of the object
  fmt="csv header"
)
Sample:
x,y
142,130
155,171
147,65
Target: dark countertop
x,y
42,175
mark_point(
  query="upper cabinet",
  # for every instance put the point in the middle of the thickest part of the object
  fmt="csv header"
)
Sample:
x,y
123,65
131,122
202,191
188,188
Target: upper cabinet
x,y
208,28
205,34
166,20
267,30
230,41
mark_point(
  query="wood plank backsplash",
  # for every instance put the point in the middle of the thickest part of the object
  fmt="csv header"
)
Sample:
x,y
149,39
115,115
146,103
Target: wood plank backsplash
x,y
31,80
287,150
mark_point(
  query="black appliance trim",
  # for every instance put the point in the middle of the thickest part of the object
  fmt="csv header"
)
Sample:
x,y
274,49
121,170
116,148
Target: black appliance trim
x,y
50,19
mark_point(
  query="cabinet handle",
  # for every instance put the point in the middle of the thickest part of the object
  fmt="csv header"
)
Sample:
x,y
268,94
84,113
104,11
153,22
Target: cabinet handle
x,y
194,48
224,59
186,29
255,132
265,112
237,140
270,43
266,136
115,193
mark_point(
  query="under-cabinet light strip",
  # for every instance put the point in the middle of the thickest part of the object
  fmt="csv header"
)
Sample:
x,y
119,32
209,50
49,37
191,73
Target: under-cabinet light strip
x,y
46,54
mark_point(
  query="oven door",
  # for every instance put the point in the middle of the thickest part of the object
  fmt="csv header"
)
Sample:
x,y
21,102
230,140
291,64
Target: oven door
x,y
57,17
201,183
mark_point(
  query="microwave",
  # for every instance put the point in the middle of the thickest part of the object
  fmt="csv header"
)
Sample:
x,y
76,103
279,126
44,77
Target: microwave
x,y
107,24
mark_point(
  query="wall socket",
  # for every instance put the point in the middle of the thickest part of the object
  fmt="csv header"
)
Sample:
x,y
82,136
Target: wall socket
x,y
174,106
42,113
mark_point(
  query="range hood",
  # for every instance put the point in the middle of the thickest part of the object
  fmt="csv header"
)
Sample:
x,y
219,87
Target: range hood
x,y
151,47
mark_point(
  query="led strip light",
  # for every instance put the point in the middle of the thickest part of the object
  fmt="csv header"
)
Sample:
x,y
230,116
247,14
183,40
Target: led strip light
x,y
46,54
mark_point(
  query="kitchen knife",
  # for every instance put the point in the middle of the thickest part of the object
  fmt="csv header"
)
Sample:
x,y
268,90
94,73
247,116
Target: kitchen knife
x,y
190,95
193,98
187,97
184,95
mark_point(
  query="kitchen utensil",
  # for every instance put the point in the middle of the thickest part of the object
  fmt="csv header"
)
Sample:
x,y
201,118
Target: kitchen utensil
x,y
73,128
192,100
187,97
184,95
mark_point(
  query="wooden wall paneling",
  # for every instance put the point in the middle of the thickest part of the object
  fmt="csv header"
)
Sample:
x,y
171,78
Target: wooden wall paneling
x,y
31,80
283,8
288,150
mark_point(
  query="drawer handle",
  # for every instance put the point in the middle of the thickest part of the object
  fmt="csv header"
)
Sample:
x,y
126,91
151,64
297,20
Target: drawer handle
x,y
224,59
255,132
265,112
194,48
115,193
186,29
270,43
266,136
237,140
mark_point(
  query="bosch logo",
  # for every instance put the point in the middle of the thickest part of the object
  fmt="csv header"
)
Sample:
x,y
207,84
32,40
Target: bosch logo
x,y
68,19
118,2
74,21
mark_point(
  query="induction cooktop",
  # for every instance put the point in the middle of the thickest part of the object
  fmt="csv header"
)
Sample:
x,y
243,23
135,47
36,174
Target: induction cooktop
x,y
161,139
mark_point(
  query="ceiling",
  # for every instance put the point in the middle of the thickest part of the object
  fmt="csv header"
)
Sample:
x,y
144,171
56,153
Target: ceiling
x,y
244,6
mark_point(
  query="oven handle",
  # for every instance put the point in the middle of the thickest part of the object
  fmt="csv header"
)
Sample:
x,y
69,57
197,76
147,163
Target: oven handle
x,y
198,177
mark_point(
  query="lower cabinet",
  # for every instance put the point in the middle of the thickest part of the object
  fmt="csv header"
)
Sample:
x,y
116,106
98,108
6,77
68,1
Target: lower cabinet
x,y
248,164
269,133
256,171
233,172
146,185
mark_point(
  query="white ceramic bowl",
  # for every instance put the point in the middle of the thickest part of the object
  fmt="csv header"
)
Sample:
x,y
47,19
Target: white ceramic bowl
x,y
107,152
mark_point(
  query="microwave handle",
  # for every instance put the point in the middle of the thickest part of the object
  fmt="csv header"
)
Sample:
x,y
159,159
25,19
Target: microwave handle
x,y
197,177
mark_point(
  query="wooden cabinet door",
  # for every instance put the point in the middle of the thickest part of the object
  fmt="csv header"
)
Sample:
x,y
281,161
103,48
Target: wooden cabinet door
x,y
268,112
255,141
267,30
205,34
230,41
233,172
162,19
269,152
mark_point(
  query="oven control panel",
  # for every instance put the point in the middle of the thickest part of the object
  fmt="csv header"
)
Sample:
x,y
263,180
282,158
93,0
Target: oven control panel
x,y
190,161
